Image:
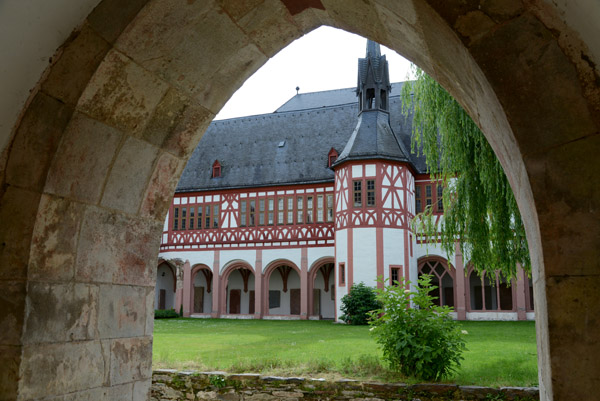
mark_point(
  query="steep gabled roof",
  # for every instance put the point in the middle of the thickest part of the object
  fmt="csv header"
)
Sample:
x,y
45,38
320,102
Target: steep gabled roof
x,y
248,148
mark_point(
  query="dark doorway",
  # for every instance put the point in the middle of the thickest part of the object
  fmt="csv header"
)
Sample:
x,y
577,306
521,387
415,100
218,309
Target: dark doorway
x,y
198,299
295,301
235,297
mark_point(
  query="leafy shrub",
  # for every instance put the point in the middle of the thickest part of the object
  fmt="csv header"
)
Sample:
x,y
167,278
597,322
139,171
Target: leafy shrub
x,y
421,340
165,314
357,304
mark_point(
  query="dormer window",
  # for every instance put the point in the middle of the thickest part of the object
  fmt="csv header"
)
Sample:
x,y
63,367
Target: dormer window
x,y
216,169
332,157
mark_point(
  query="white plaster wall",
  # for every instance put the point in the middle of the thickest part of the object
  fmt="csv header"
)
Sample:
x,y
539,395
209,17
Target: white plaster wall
x,y
276,284
294,255
393,250
506,316
420,250
200,281
327,304
194,257
237,282
365,256
243,255
341,256
164,283
315,254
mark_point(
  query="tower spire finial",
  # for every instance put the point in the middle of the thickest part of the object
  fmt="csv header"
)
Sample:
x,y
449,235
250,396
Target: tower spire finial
x,y
373,49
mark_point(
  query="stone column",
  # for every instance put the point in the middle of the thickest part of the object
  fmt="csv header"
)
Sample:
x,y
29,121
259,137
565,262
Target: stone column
x,y
216,285
459,277
304,284
258,285
521,283
187,288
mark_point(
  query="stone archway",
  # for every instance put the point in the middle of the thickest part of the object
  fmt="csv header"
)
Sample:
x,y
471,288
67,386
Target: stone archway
x,y
284,293
321,285
242,290
99,147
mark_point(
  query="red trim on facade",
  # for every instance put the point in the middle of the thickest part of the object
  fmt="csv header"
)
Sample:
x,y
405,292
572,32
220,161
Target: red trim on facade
x,y
400,273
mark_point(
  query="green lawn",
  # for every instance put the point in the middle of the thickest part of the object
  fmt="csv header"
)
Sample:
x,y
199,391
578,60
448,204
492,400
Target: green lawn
x,y
498,353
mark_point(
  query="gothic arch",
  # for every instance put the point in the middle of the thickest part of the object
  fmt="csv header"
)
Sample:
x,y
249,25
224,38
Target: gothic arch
x,y
172,268
525,76
313,271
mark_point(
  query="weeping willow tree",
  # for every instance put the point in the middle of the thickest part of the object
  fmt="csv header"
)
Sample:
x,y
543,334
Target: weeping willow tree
x,y
479,206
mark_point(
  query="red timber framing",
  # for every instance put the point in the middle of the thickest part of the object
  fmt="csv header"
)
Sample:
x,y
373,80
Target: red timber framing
x,y
374,194
273,217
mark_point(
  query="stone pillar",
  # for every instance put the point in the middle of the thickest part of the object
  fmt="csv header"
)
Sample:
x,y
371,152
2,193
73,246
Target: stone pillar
x,y
216,285
459,277
187,288
304,284
521,284
258,285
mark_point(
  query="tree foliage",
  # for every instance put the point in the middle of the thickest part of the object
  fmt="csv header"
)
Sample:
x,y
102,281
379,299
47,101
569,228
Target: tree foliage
x,y
422,340
357,304
479,205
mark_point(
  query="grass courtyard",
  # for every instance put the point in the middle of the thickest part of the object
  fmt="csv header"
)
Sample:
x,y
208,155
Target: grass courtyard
x,y
498,353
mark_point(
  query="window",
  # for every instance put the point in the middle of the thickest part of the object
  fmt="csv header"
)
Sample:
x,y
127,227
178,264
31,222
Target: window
x,y
290,210
271,211
329,207
342,267
418,200
176,219
440,203
370,193
243,212
428,200
192,209
357,193
280,211
309,209
261,212
216,169
207,217
442,279
216,216
394,275
319,208
251,219
199,225
183,217
300,209
332,157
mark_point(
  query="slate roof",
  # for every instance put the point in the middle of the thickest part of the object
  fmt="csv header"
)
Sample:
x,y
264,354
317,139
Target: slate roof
x,y
250,154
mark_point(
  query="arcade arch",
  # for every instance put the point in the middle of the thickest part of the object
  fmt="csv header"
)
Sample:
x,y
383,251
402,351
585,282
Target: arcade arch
x,y
166,286
283,293
132,101
238,296
202,284
321,289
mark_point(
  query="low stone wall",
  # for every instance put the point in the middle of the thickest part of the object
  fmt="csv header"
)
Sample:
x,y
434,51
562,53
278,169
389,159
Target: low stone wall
x,y
173,385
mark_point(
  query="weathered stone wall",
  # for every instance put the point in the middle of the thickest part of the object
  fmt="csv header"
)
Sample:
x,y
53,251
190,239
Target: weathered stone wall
x,y
173,385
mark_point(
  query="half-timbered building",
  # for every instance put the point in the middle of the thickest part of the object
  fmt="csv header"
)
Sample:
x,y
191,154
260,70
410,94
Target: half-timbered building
x,y
277,215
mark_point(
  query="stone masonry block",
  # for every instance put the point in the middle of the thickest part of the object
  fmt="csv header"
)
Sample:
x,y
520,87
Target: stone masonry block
x,y
110,17
569,227
117,248
18,208
36,141
173,42
54,242
129,176
177,123
216,92
527,51
270,26
131,360
10,359
122,311
61,312
60,368
237,9
76,64
162,186
83,159
122,94
149,311
12,309
141,390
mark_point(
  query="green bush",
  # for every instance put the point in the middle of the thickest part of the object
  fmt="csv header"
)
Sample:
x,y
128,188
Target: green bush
x,y
165,314
357,304
418,340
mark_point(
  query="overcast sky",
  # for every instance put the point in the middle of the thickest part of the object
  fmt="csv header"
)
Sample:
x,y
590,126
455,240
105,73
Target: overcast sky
x,y
326,58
